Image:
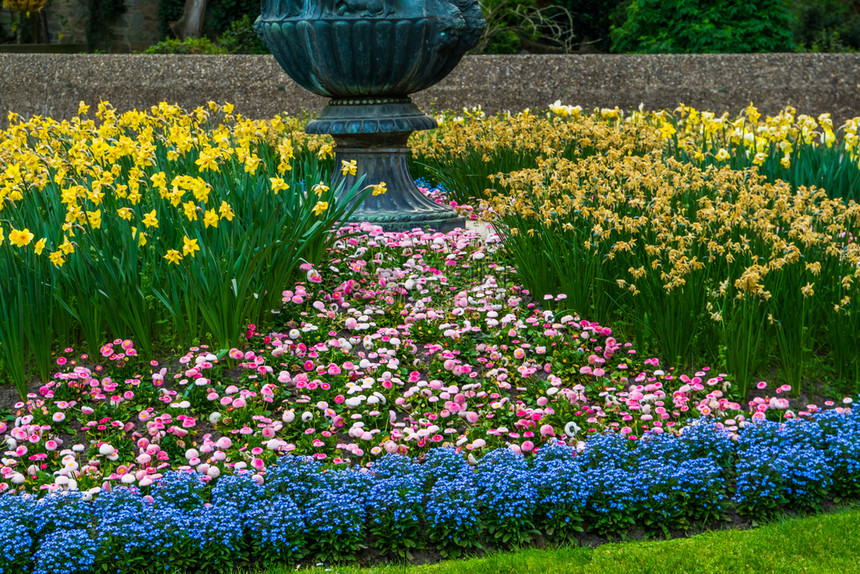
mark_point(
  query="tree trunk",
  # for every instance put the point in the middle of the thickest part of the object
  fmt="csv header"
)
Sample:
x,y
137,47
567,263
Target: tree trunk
x,y
191,23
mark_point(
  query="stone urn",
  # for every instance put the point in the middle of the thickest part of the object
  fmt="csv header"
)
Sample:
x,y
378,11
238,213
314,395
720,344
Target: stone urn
x,y
368,56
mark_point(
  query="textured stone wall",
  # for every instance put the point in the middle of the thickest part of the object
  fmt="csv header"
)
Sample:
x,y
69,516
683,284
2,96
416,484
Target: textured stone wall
x,y
67,21
137,28
53,84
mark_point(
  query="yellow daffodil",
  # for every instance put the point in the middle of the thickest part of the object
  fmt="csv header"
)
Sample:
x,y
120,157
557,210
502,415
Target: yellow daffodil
x,y
67,246
379,189
320,189
208,160
141,237
348,167
190,209
56,258
252,163
20,238
40,245
723,154
278,184
226,211
326,151
150,220
125,213
159,179
189,246
173,256
667,130
94,218
211,218
320,207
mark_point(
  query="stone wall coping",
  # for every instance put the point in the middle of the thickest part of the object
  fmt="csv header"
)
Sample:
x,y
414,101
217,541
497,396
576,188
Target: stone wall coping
x,y
53,84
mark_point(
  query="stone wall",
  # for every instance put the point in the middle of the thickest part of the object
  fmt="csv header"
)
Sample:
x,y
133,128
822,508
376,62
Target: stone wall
x,y
137,28
53,84
67,21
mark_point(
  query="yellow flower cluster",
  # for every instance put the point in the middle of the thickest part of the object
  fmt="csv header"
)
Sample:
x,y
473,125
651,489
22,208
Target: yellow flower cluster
x,y
750,134
530,134
132,173
654,217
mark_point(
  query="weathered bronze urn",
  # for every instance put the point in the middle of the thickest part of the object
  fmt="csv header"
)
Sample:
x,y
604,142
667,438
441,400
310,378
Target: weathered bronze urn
x,y
368,56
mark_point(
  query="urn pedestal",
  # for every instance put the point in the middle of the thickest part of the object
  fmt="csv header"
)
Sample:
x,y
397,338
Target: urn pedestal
x,y
368,56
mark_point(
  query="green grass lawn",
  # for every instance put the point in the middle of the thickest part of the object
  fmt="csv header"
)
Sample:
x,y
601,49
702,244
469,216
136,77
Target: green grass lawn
x,y
819,544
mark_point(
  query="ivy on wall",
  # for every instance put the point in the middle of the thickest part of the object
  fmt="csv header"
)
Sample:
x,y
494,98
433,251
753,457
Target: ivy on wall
x,y
100,25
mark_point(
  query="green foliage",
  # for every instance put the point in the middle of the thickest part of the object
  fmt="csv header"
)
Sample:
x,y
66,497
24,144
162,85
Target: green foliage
x,y
511,24
591,21
220,16
695,26
102,17
241,38
187,46
827,25
504,42
249,241
168,11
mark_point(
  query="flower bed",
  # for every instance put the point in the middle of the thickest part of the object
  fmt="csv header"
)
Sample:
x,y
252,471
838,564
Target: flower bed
x,y
304,511
404,343
438,403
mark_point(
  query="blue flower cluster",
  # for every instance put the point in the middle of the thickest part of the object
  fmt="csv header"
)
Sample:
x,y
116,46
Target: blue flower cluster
x,y
304,509
507,496
65,552
794,464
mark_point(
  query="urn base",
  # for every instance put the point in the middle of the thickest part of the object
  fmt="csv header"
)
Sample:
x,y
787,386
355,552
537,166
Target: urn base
x,y
370,116
382,158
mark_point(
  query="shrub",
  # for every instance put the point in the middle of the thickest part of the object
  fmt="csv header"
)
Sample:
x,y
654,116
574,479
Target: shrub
x,y
241,38
692,26
60,511
842,451
781,465
592,21
676,493
444,464
240,490
186,46
827,25
124,529
220,535
335,521
297,477
613,500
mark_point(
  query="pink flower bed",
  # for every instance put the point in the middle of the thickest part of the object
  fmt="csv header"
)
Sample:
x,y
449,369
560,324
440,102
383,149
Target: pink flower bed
x,y
404,342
